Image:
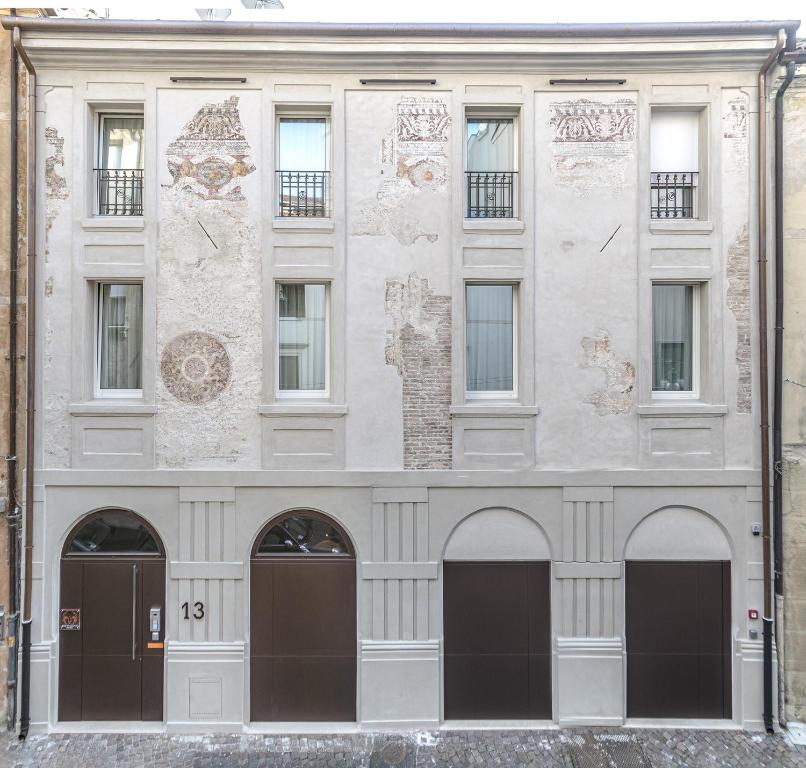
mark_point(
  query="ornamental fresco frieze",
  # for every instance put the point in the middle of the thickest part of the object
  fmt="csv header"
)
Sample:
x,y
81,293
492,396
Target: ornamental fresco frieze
x,y
211,154
584,120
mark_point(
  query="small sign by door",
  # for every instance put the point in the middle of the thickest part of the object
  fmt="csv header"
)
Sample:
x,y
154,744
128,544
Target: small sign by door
x,y
69,619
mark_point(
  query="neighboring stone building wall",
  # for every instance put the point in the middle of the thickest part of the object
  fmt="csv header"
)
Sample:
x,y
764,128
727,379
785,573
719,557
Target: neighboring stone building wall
x,y
794,413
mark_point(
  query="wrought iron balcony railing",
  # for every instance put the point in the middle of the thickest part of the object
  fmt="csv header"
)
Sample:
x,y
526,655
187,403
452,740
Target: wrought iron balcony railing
x,y
120,191
303,193
490,194
673,195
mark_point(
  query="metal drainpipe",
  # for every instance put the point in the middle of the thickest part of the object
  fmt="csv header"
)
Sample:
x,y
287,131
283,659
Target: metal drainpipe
x,y
13,515
763,368
25,693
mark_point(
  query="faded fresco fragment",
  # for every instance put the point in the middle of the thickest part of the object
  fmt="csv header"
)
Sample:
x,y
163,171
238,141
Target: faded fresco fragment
x,y
593,143
415,160
55,183
616,397
734,131
211,154
208,292
418,344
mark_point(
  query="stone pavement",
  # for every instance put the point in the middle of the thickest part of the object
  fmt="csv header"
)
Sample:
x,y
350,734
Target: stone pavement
x,y
573,748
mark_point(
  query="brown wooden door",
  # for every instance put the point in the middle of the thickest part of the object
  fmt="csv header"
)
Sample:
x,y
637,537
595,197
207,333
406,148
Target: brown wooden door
x,y
678,639
106,670
497,626
303,639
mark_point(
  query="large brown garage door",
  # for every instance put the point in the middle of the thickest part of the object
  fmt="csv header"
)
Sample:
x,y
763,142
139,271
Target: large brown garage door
x,y
497,640
678,639
112,579
303,624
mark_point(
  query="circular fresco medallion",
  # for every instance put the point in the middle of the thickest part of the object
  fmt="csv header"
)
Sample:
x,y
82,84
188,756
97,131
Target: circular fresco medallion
x,y
195,367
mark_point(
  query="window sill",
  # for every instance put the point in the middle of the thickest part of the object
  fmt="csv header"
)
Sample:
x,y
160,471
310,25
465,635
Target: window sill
x,y
324,410
499,226
302,224
686,226
111,407
131,223
682,408
494,410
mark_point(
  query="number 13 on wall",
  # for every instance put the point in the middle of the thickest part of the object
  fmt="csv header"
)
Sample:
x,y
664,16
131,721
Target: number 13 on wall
x,y
198,611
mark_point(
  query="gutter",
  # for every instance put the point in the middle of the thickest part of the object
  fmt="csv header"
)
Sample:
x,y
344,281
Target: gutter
x,y
13,514
30,359
763,367
403,30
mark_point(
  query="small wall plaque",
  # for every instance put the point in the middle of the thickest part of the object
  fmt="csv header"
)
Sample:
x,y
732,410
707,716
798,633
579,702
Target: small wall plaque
x,y
69,619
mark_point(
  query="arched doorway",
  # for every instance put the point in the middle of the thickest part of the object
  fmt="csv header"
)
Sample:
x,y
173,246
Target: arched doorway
x,y
303,621
111,619
678,617
497,619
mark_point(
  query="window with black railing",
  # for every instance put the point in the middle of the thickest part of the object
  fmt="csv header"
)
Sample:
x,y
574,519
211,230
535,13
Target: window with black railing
x,y
303,178
119,175
490,178
673,195
120,191
303,193
490,194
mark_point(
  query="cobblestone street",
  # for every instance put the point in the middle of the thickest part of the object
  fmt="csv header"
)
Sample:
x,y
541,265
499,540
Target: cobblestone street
x,y
584,748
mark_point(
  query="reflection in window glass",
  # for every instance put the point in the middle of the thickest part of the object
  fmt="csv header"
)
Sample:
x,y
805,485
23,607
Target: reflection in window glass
x,y
113,531
489,337
490,145
303,534
303,144
302,335
121,142
120,336
672,342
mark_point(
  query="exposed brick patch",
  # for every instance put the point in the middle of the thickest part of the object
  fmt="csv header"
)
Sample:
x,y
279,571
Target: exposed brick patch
x,y
419,345
739,304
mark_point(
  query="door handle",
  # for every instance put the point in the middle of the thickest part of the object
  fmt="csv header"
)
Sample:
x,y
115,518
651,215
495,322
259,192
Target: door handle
x,y
134,611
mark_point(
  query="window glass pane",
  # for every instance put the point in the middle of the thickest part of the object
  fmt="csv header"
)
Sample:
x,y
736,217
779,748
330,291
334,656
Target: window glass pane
x,y
113,530
489,338
121,142
674,139
121,336
303,534
302,334
303,144
672,331
490,145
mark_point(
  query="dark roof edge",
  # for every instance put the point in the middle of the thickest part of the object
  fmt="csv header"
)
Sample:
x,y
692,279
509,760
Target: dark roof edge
x,y
412,30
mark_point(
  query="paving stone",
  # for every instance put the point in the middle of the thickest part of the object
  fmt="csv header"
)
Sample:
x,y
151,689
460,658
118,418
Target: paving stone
x,y
573,748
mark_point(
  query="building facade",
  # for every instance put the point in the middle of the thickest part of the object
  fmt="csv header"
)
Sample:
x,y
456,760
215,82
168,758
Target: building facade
x,y
794,431
396,377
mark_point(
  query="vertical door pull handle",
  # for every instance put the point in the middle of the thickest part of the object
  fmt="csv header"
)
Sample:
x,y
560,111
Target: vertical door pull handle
x,y
134,611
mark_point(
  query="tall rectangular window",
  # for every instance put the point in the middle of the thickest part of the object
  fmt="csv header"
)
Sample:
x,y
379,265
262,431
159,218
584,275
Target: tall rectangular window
x,y
119,346
490,339
303,167
490,172
302,333
119,175
674,339
674,164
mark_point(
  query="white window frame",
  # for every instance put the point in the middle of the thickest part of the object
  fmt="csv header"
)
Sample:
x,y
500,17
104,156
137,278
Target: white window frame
x,y
101,116
502,113
301,394
696,344
316,114
103,394
505,394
